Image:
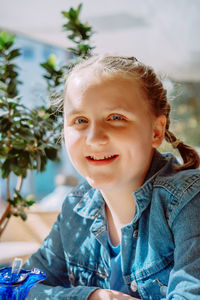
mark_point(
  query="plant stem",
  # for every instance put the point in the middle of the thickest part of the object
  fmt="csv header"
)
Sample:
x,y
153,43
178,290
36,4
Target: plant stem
x,y
4,219
19,183
8,188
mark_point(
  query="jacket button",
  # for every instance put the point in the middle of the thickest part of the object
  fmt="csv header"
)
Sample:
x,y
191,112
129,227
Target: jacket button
x,y
163,290
134,286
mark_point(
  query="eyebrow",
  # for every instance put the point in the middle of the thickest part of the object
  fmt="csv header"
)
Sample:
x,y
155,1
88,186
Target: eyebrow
x,y
77,111
117,108
74,112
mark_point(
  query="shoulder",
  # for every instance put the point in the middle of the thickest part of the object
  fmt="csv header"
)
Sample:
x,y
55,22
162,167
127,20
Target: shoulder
x,y
177,188
179,182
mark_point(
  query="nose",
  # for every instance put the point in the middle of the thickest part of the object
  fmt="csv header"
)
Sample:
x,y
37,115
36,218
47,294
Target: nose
x,y
96,135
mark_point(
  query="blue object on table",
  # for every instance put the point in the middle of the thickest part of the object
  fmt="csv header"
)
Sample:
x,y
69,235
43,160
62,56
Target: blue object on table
x,y
16,286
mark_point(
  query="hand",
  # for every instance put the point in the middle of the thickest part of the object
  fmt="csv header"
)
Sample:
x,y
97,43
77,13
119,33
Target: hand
x,y
101,294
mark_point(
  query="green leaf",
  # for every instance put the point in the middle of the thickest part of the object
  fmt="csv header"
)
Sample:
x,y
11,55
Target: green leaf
x,y
3,150
12,88
18,195
5,124
65,14
52,61
51,153
19,144
72,13
20,172
6,168
14,53
11,74
48,68
23,160
30,197
12,104
79,9
6,38
23,215
43,163
30,203
10,67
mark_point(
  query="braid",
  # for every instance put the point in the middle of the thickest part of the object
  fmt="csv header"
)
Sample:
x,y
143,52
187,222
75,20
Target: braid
x,y
158,98
153,88
189,155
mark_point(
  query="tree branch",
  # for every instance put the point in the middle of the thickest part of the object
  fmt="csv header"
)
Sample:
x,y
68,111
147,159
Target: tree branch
x,y
4,219
19,183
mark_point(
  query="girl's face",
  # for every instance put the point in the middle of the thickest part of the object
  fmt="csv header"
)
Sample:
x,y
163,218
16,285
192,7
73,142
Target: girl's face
x,y
109,130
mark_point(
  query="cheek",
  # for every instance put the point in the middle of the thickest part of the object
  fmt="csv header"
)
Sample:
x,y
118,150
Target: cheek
x,y
72,141
74,147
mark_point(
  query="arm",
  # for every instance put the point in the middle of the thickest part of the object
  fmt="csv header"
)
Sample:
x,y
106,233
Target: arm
x,y
184,281
50,258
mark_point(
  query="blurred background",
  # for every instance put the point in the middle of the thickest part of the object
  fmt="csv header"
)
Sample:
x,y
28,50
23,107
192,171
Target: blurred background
x,y
163,34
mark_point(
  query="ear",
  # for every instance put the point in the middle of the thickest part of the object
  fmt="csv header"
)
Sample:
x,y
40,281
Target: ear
x,y
158,131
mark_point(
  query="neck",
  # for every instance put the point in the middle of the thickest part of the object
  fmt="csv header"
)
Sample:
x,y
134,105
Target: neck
x,y
120,210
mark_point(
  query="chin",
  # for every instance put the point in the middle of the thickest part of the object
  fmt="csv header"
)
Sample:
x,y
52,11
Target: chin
x,y
100,184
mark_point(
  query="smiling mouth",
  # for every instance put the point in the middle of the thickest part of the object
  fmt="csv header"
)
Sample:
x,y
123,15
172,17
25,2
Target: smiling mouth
x,y
102,158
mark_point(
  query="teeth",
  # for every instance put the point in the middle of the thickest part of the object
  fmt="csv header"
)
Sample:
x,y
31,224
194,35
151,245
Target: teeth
x,y
101,158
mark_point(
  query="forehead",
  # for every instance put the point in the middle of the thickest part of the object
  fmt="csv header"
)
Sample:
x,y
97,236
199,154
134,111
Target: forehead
x,y
113,87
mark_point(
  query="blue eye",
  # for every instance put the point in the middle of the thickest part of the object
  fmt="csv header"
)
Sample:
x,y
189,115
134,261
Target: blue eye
x,y
116,118
80,121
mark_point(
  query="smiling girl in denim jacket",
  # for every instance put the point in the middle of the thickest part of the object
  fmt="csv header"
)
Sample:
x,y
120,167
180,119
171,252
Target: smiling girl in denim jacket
x,y
132,229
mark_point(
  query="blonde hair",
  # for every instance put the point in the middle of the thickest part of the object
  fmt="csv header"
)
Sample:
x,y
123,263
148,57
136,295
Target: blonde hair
x,y
152,87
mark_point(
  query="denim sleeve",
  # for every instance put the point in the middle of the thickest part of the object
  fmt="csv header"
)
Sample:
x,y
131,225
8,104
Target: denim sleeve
x,y
184,281
50,258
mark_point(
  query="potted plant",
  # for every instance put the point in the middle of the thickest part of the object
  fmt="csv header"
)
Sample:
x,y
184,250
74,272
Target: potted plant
x,y
31,137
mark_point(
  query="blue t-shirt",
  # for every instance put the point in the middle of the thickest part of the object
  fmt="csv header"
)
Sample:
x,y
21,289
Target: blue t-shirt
x,y
116,282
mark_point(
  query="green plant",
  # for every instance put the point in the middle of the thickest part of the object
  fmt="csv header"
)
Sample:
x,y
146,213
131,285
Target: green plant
x,y
30,137
80,34
54,75
8,70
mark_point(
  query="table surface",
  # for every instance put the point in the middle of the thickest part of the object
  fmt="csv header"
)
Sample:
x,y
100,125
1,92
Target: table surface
x,y
10,250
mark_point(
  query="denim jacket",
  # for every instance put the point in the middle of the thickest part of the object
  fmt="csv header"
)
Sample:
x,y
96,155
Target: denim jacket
x,y
160,248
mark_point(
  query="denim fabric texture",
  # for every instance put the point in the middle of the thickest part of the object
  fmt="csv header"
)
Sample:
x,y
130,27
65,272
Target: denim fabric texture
x,y
160,248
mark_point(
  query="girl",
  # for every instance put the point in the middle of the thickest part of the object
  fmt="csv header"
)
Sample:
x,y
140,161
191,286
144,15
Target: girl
x,y
131,230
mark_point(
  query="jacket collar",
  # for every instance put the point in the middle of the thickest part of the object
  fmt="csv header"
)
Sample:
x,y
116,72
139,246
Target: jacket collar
x,y
91,204
143,195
